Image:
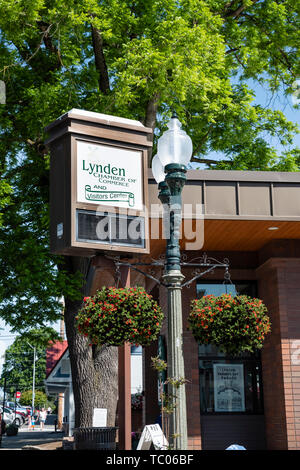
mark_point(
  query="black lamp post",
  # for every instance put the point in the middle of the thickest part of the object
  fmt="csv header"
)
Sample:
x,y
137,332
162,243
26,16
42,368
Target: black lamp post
x,y
169,169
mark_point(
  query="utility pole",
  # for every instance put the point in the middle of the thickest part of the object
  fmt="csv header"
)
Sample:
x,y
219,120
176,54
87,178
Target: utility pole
x,y
4,392
33,375
33,379
60,404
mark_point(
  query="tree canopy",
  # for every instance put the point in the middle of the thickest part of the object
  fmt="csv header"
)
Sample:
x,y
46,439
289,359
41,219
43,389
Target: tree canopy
x,y
40,399
140,59
137,59
18,366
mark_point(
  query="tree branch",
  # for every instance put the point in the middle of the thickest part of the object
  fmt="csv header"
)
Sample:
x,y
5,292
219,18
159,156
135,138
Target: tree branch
x,y
100,61
151,111
285,60
209,161
38,145
235,49
238,11
204,138
45,39
49,44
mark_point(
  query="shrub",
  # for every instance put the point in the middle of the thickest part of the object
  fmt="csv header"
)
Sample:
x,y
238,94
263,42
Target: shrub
x,y
40,398
137,401
12,430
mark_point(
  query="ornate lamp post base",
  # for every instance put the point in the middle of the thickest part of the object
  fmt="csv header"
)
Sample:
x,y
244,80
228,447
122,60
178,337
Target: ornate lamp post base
x,y
178,419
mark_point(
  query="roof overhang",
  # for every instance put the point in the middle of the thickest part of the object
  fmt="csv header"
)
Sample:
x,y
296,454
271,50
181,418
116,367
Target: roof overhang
x,y
232,210
54,377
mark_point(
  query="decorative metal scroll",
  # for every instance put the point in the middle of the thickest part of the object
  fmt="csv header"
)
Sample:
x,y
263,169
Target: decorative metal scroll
x,y
208,263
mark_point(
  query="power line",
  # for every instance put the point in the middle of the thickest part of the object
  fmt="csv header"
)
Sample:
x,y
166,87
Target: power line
x,y
8,336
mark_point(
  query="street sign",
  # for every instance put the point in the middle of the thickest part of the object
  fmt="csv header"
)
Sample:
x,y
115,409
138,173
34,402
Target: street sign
x,y
18,394
98,184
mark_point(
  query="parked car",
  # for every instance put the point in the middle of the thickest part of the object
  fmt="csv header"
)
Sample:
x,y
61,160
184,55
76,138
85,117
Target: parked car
x,y
8,416
10,404
2,428
15,417
20,413
20,418
13,406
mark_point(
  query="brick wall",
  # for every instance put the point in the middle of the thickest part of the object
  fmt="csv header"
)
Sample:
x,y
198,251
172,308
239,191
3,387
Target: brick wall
x,y
151,408
191,371
278,286
190,349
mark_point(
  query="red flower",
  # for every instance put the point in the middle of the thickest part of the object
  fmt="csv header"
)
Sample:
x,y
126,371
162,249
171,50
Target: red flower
x,y
116,308
216,324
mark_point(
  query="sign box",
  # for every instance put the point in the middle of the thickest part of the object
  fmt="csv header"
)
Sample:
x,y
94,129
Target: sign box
x,y
98,184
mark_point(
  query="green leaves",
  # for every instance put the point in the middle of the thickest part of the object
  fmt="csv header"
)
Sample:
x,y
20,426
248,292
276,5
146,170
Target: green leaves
x,y
115,316
5,192
234,324
194,56
40,398
18,366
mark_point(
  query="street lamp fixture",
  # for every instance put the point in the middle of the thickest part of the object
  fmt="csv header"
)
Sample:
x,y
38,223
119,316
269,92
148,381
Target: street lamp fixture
x,y
169,170
174,146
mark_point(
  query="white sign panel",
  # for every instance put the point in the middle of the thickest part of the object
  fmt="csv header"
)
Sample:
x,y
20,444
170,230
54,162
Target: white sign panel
x,y
110,176
100,418
229,392
152,433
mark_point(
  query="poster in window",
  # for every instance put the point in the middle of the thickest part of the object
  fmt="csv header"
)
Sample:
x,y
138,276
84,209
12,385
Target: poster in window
x,y
229,391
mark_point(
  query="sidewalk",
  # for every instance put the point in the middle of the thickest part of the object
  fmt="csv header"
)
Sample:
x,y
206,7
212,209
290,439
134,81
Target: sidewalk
x,y
34,439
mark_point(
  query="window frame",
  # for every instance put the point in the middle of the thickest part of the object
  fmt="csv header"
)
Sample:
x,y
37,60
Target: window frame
x,y
251,362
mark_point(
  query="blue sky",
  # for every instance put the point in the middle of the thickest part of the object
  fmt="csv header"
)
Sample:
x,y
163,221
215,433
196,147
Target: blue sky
x,y
277,101
280,102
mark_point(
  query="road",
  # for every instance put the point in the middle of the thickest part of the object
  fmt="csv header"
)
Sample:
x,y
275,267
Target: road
x,y
48,438
32,438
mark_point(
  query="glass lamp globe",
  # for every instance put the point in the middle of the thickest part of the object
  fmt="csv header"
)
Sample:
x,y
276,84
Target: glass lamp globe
x,y
174,146
158,170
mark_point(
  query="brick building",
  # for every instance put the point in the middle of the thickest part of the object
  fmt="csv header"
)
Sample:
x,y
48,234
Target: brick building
x,y
253,220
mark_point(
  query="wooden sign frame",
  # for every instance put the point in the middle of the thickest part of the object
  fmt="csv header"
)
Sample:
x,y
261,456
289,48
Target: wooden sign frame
x,y
97,130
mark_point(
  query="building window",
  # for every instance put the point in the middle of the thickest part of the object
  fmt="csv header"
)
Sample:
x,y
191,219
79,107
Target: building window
x,y
136,350
229,385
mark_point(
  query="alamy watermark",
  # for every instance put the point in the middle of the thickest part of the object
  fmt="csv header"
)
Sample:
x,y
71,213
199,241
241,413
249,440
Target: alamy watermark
x,y
184,222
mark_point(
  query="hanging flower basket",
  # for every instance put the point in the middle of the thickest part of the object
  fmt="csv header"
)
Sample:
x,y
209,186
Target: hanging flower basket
x,y
137,401
115,316
232,323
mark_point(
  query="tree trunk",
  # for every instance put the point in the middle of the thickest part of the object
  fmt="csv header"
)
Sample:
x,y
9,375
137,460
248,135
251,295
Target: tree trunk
x,y
94,369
